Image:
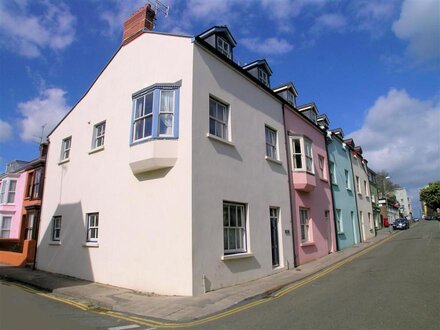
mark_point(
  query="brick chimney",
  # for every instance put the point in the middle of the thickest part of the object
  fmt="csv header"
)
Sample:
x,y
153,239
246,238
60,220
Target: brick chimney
x,y
135,25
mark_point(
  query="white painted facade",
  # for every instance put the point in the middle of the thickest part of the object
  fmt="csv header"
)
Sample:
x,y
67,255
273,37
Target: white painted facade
x,y
160,202
404,201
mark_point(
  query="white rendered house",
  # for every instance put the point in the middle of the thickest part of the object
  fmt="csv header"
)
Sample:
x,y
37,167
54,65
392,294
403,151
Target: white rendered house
x,y
170,174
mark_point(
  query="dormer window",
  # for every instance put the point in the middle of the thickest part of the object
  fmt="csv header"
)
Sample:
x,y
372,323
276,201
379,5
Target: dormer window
x,y
224,47
290,98
263,77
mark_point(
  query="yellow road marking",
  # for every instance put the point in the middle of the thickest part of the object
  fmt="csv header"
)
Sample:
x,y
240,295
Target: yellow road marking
x,y
159,324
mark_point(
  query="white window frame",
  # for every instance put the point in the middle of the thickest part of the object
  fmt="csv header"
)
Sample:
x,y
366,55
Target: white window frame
x,y
263,76
140,117
333,173
56,228
170,113
339,223
6,229
30,225
366,189
98,135
271,142
7,195
290,98
66,146
239,228
347,180
92,227
219,117
305,153
370,221
323,173
224,47
358,185
304,219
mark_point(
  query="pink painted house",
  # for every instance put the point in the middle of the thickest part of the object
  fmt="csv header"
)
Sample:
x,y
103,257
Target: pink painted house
x,y
12,185
312,207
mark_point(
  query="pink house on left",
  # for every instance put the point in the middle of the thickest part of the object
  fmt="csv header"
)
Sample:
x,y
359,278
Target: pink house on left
x,y
12,185
309,178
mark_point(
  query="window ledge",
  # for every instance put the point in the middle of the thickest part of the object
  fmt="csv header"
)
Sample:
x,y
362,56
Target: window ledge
x,y
56,243
219,139
308,244
96,150
341,233
61,162
90,244
324,179
273,160
237,256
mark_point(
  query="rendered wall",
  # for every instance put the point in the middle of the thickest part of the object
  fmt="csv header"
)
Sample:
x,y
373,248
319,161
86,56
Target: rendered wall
x,y
343,197
144,219
318,200
237,173
363,200
14,209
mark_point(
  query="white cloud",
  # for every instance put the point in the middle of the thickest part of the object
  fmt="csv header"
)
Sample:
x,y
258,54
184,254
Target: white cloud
x,y
28,34
373,15
401,135
5,131
47,109
329,21
419,24
269,46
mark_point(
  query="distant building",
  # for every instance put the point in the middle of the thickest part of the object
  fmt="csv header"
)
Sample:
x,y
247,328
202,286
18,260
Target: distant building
x,y
404,201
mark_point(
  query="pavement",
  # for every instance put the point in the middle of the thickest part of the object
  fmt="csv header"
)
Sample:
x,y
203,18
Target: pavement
x,y
177,308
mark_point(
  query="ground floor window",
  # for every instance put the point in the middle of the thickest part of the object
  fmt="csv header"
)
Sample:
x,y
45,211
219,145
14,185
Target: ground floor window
x,y
339,223
56,228
92,227
234,228
274,214
5,229
305,224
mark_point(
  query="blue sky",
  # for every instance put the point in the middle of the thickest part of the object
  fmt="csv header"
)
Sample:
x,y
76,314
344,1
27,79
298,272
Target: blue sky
x,y
372,66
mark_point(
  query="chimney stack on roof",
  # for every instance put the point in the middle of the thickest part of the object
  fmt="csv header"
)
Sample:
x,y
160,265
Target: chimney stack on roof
x,y
137,23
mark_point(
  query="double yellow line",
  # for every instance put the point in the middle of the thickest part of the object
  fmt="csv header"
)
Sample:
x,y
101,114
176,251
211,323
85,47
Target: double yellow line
x,y
158,324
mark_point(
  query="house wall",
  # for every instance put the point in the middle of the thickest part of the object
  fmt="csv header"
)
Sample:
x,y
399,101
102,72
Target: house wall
x,y
236,172
402,199
14,209
318,200
343,196
145,237
363,199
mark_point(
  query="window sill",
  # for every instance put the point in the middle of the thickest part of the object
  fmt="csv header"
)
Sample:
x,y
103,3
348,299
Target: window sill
x,y
55,243
308,244
219,139
273,160
96,150
237,256
61,162
341,233
90,244
324,179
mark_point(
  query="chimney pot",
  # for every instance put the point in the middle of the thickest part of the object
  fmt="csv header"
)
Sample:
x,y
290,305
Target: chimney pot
x,y
135,25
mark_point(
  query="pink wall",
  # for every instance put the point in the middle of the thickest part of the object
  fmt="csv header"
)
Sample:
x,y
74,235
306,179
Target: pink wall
x,y
317,200
15,209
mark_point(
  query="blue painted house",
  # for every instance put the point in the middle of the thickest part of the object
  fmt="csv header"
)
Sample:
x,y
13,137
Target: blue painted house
x,y
344,199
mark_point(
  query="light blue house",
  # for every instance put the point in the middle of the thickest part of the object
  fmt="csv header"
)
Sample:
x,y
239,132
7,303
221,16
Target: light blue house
x,y
344,199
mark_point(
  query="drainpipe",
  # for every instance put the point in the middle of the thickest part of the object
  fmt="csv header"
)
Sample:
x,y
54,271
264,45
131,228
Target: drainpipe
x,y
292,208
333,197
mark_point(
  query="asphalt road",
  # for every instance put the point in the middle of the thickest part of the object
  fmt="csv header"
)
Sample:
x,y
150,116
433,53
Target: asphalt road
x,y
20,310
395,286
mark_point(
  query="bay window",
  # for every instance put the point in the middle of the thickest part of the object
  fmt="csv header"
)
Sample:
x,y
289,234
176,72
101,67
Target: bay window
x,y
302,155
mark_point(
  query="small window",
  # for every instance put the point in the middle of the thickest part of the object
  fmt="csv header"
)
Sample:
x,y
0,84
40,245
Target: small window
x,y
322,167
36,186
11,191
218,118
339,223
29,185
56,228
290,98
263,77
98,135
7,191
358,185
305,224
333,173
370,221
65,148
366,189
143,117
29,231
271,143
347,180
92,227
5,230
224,47
234,228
